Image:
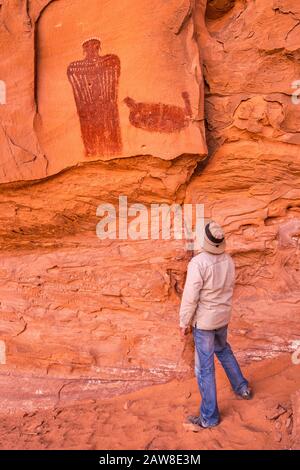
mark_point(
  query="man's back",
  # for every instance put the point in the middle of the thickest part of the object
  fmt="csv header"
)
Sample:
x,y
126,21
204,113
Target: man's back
x,y
208,291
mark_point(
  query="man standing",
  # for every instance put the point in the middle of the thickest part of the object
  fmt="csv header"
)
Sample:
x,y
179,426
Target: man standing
x,y
206,306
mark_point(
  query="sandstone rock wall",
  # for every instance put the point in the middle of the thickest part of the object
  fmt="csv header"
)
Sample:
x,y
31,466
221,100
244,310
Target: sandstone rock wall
x,y
251,181
145,75
82,317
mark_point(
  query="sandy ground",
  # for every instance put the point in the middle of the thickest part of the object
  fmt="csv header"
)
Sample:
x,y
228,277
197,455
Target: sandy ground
x,y
153,418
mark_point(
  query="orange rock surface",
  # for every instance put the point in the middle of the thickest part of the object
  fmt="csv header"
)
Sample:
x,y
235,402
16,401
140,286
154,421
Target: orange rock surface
x,y
199,105
153,418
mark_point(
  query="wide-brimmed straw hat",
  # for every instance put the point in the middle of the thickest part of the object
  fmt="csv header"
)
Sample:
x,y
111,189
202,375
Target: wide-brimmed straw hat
x,y
213,238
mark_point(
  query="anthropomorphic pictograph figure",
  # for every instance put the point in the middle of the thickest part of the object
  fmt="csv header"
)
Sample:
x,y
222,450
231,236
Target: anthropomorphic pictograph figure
x,y
95,83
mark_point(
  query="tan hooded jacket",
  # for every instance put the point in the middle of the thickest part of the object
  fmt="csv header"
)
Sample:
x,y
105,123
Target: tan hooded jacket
x,y
207,296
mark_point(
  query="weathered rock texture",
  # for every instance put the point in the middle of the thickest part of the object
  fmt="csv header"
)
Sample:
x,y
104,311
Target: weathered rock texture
x,y
57,81
251,183
296,420
82,317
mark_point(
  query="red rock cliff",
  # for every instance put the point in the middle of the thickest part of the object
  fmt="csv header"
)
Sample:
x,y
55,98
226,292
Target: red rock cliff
x,y
82,317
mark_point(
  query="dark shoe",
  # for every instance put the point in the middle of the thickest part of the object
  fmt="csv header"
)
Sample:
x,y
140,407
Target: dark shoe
x,y
246,394
197,421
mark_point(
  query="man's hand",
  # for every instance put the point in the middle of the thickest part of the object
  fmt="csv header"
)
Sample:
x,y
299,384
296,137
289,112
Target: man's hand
x,y
184,331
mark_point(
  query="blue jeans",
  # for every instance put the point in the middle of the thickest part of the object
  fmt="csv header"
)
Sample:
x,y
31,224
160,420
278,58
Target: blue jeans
x,y
206,344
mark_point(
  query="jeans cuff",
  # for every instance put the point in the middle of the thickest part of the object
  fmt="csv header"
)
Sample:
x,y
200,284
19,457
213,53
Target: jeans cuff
x,y
242,387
